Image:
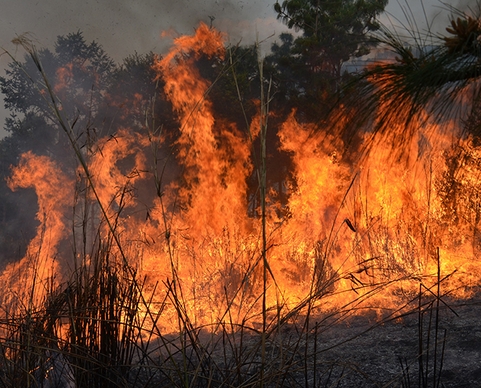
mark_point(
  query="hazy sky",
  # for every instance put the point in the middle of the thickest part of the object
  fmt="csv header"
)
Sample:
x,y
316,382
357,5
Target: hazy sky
x,y
123,27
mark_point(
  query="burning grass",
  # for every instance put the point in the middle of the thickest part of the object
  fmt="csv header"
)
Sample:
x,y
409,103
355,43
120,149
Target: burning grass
x,y
191,285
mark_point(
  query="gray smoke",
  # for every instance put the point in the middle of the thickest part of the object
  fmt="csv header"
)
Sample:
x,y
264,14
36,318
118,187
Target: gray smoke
x,y
468,5
123,27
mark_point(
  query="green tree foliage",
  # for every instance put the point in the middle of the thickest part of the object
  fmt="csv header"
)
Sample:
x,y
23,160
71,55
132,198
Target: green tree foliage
x,y
332,32
79,73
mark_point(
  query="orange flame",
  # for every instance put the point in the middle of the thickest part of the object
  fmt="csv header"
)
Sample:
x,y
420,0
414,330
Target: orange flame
x,y
349,233
40,264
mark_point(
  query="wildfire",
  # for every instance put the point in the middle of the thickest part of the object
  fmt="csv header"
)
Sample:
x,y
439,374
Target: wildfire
x,y
345,231
40,268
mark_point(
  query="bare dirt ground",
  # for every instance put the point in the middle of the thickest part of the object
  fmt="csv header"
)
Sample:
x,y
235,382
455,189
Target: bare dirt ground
x,y
357,352
387,354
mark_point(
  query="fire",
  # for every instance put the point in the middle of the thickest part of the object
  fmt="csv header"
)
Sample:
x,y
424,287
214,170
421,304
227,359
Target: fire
x,y
215,159
111,179
34,276
348,233
64,75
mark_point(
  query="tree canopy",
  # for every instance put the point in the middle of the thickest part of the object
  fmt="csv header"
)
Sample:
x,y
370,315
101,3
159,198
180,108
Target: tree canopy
x,y
333,31
310,66
80,74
